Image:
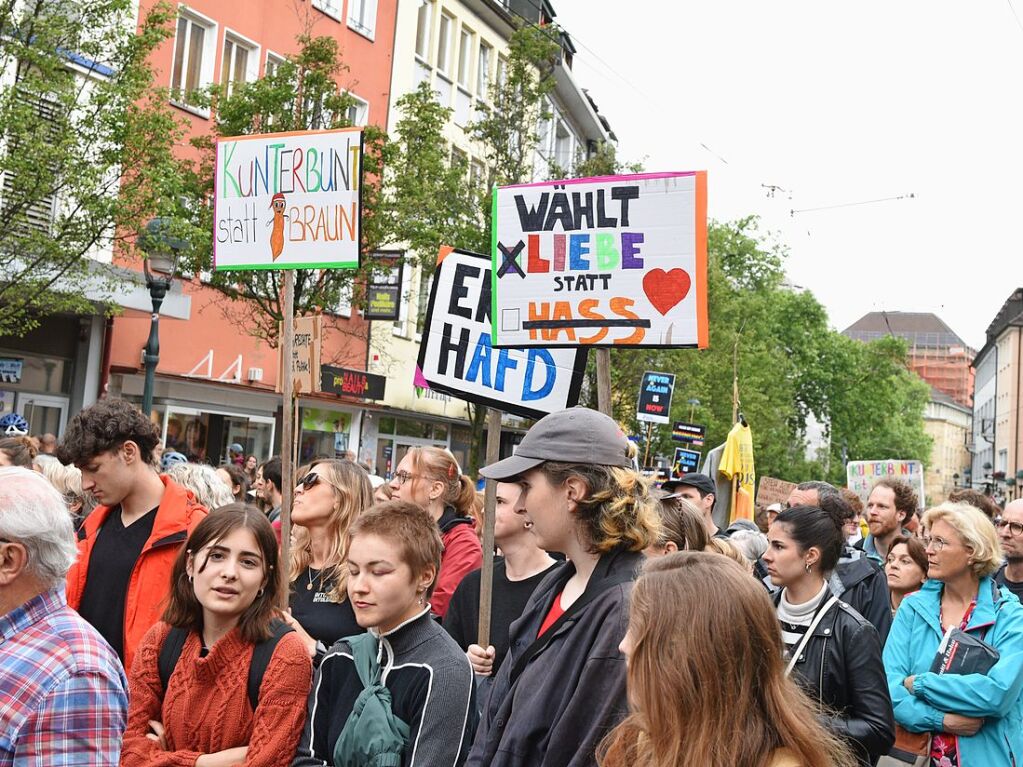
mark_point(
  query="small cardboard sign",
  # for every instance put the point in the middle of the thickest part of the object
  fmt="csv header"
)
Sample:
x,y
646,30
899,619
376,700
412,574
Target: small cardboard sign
x,y
305,356
861,476
654,402
288,200
690,433
607,261
456,356
773,490
685,462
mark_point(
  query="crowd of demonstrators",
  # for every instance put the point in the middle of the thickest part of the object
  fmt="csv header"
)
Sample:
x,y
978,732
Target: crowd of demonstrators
x,y
517,573
268,488
328,499
249,467
832,650
192,681
972,717
561,686
855,530
203,481
68,482
698,489
905,569
427,715
429,477
128,544
726,666
1009,526
63,691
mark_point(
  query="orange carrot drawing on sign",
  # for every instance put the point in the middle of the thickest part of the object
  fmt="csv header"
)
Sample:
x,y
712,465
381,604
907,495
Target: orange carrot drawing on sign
x,y
277,233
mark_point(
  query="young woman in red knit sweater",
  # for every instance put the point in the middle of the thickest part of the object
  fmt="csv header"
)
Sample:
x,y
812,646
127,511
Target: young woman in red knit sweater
x,y
224,593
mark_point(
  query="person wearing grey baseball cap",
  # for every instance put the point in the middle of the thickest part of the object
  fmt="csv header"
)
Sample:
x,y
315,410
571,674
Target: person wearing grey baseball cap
x,y
562,685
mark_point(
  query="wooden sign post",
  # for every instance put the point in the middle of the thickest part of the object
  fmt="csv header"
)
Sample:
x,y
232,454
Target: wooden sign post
x,y
288,428
489,518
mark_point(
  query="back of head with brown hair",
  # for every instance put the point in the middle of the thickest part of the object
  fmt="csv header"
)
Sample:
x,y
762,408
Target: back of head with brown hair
x,y
20,451
410,527
682,524
435,464
977,499
725,667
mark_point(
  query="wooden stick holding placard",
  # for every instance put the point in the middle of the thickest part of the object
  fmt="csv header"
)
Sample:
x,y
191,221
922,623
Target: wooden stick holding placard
x,y
287,428
604,381
489,513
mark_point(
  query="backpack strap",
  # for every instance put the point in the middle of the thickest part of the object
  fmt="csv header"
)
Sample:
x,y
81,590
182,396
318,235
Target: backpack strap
x,y
261,655
597,585
170,651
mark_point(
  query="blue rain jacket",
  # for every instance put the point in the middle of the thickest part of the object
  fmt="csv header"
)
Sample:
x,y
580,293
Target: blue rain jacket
x,y
995,696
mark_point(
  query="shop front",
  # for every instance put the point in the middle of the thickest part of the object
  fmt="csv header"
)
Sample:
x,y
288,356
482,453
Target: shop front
x,y
327,431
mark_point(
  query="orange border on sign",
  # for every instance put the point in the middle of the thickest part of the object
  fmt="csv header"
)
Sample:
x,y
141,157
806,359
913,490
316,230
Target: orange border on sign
x,y
703,328
445,251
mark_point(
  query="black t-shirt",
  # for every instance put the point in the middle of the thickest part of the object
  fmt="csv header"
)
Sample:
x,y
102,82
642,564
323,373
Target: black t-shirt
x,y
324,620
111,563
509,600
1013,586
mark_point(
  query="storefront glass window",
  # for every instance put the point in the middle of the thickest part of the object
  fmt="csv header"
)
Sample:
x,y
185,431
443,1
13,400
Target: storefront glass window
x,y
205,437
324,433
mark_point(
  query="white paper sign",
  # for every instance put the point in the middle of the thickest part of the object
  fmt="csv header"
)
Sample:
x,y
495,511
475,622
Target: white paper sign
x,y
617,260
861,476
288,200
457,358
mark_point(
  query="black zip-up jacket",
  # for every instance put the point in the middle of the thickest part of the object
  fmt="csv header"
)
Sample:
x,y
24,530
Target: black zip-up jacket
x,y
571,693
841,667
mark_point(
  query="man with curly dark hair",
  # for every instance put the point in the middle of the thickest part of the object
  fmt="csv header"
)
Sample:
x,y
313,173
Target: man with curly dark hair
x,y
128,544
890,506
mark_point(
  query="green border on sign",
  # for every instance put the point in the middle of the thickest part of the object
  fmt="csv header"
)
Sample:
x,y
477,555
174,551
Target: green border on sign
x,y
283,267
494,265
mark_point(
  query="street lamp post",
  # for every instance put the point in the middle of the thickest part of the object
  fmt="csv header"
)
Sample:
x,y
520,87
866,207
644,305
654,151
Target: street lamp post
x,y
161,262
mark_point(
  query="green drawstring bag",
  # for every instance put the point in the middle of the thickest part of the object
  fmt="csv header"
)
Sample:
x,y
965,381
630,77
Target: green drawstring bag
x,y
373,736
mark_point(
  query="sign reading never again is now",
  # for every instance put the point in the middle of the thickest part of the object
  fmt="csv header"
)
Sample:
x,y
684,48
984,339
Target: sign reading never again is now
x,y
617,260
288,200
456,356
654,402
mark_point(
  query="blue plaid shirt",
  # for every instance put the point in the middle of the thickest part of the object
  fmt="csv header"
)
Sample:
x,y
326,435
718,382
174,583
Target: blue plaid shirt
x,y
63,694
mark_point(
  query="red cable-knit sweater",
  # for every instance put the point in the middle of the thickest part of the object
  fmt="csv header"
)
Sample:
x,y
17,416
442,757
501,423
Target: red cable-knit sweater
x,y
206,708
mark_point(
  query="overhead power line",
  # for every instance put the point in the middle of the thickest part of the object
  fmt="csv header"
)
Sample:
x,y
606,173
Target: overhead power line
x,y
909,196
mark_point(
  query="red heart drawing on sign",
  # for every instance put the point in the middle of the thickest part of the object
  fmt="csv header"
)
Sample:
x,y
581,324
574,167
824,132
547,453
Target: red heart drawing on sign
x,y
666,289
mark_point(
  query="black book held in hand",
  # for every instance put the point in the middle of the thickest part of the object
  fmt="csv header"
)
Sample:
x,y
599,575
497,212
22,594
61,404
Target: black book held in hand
x,y
961,653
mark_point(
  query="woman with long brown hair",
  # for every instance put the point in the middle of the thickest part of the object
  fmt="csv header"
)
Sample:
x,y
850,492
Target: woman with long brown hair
x,y
429,477
328,499
685,686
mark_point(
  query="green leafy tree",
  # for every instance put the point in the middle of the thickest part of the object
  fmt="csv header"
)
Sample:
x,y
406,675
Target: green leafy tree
x,y
302,93
85,150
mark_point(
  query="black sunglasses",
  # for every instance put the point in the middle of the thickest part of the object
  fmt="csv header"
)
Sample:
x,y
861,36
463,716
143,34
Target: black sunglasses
x,y
311,479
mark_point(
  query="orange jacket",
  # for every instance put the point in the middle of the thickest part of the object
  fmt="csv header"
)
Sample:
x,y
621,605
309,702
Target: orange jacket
x,y
149,585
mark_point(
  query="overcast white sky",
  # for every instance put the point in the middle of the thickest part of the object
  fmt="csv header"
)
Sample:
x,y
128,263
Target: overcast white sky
x,y
835,103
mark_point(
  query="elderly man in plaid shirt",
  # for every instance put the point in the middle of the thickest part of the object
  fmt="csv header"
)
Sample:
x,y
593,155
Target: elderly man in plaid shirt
x,y
63,695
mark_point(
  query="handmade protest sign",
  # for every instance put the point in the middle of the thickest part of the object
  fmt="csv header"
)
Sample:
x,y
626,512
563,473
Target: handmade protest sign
x,y
654,402
305,356
861,476
609,261
773,490
288,200
456,355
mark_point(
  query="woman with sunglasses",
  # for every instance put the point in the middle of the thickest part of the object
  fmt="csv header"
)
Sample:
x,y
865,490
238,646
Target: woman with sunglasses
x,y
429,476
972,719
328,499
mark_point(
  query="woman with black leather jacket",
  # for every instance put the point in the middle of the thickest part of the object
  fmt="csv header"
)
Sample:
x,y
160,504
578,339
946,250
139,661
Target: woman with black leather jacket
x,y
831,650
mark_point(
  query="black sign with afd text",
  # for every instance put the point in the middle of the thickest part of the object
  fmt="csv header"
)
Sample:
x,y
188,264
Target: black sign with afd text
x,y
351,383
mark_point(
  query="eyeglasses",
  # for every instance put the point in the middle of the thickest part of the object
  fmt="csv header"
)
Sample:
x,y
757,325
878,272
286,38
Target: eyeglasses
x,y
310,480
1015,528
403,477
934,543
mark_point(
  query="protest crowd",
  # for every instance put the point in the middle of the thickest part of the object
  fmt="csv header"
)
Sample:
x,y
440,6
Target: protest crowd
x,y
148,617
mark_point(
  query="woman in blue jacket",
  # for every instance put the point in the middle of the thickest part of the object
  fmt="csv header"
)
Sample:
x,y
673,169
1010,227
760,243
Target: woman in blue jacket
x,y
975,720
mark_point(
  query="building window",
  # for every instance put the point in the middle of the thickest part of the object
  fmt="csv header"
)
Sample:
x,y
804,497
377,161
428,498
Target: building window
x,y
358,111
425,286
502,71
477,178
37,208
465,57
238,63
273,63
423,31
483,71
344,300
330,7
447,24
400,324
563,146
459,159
317,116
362,16
194,49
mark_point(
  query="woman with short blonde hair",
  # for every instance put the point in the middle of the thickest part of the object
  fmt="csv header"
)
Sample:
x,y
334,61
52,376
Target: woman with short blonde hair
x,y
971,718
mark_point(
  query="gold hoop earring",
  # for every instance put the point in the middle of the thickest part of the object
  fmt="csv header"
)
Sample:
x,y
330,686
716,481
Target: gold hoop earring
x,y
808,568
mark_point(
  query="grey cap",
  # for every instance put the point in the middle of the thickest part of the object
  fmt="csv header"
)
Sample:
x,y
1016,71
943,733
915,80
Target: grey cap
x,y
576,435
